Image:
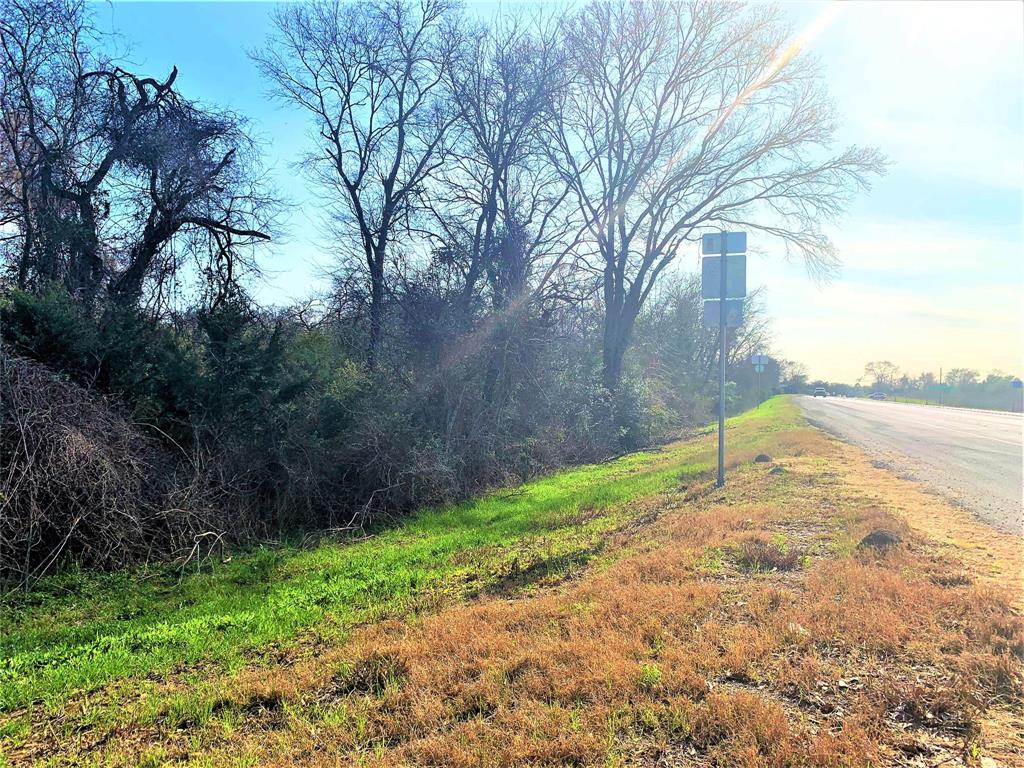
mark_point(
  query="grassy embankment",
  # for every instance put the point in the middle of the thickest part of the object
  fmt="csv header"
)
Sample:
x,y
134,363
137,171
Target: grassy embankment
x,y
603,615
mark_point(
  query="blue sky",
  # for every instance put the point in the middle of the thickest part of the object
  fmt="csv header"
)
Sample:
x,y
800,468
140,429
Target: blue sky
x,y
933,257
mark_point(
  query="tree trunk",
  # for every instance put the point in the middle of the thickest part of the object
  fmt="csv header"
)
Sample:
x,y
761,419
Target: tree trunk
x,y
27,244
127,289
619,321
480,255
376,307
616,340
508,276
85,270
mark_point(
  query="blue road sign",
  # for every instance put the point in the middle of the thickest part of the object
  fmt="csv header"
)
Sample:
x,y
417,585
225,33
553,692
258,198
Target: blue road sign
x,y
733,313
735,277
735,242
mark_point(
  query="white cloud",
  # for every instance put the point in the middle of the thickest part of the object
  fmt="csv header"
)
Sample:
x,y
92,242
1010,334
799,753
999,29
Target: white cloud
x,y
987,154
927,248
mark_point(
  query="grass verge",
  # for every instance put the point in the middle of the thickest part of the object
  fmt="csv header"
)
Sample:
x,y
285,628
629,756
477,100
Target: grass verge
x,y
81,630
625,613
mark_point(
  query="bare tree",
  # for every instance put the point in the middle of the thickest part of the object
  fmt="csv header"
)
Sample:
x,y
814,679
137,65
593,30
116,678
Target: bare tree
x,y
108,166
793,376
754,335
371,75
44,57
502,208
882,373
683,116
674,345
201,174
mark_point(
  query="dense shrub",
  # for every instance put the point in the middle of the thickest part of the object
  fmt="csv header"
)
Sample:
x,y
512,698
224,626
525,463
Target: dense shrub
x,y
152,366
77,479
253,424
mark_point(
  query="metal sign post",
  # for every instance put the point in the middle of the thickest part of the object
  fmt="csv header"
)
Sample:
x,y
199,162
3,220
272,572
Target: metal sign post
x,y
724,243
759,362
722,337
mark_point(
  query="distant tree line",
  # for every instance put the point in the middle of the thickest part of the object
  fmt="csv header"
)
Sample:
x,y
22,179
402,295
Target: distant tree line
x,y
507,199
958,387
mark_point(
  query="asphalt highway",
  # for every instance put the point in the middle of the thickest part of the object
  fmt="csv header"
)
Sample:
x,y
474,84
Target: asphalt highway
x,y
973,457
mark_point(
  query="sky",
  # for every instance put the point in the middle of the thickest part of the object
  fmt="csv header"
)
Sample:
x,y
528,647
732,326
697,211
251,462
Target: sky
x,y
933,256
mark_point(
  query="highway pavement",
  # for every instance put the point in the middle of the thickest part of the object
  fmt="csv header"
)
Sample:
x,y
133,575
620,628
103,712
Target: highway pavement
x,y
973,457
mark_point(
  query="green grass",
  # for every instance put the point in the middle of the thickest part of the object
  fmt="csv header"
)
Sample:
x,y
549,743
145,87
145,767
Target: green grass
x,y
78,631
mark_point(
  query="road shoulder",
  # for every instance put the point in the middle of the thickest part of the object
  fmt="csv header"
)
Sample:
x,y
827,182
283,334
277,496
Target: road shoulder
x,y
993,555
970,465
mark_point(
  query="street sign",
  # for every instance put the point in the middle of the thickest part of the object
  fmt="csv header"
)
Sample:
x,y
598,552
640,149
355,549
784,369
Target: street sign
x,y
735,277
733,313
723,282
735,242
759,361
940,387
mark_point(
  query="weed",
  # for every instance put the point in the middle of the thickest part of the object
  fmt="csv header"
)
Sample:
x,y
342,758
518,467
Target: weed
x,y
666,649
951,579
373,674
649,677
758,554
75,631
936,706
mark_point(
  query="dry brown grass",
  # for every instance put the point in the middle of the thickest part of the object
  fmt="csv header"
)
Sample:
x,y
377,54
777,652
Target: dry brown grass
x,y
735,628
757,553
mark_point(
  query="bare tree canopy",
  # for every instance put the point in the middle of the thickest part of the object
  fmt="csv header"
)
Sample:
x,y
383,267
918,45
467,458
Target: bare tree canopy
x,y
372,76
503,204
105,167
686,116
609,138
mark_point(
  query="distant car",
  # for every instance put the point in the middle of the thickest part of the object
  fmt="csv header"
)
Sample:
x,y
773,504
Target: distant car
x,y
820,392
877,395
